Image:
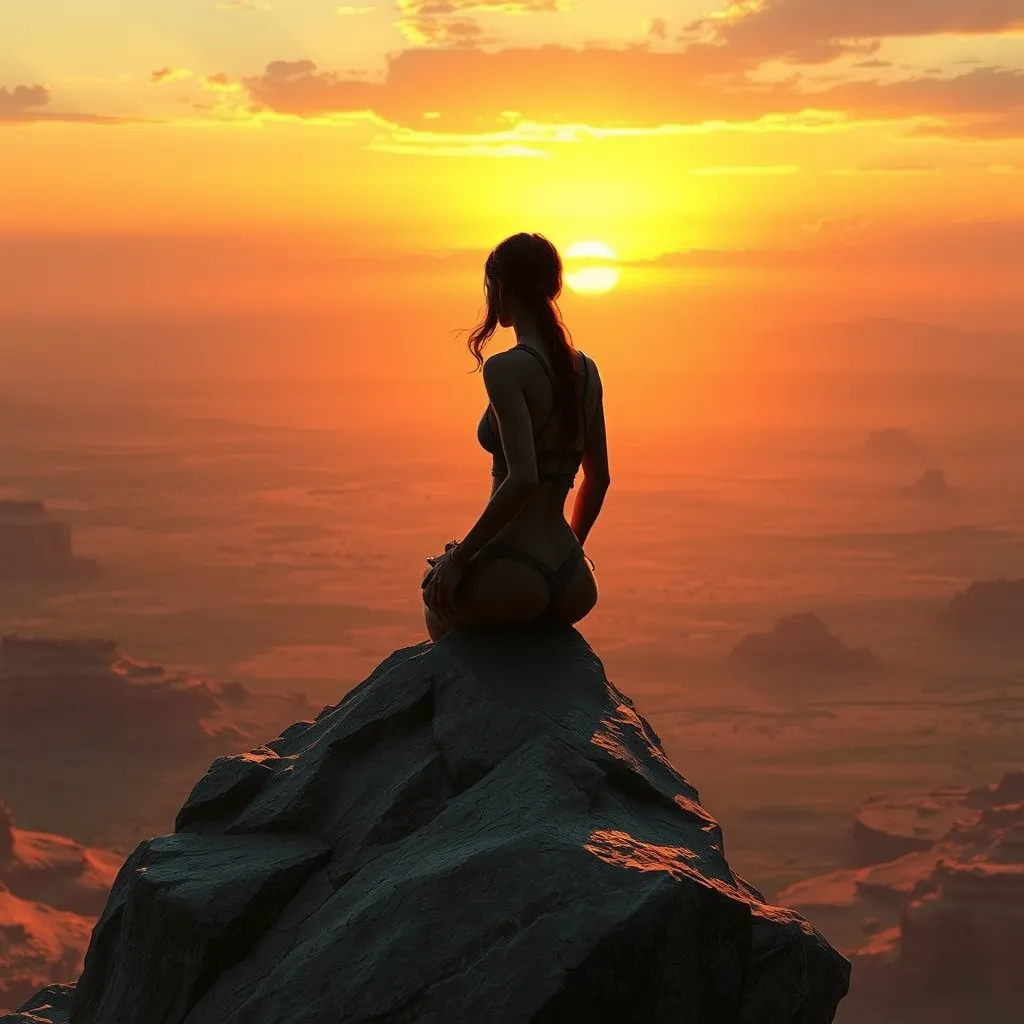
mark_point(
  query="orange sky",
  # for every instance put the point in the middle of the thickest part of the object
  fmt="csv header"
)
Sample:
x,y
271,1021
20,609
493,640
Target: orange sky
x,y
693,124
231,174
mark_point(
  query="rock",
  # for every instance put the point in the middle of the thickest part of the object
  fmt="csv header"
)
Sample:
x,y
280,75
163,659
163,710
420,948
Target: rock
x,y
889,826
6,834
145,731
802,643
35,547
59,872
931,486
50,1006
989,608
51,891
38,945
184,906
946,921
484,829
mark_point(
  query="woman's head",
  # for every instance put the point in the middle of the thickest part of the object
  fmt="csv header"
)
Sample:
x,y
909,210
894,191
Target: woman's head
x,y
520,273
522,282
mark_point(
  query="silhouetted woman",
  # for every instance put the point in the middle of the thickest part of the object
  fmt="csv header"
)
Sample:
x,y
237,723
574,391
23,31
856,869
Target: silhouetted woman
x,y
522,561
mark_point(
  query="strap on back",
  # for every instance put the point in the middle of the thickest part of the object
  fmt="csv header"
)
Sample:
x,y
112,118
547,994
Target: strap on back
x,y
552,453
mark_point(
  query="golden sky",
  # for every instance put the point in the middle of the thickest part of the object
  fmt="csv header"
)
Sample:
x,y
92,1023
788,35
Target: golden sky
x,y
420,126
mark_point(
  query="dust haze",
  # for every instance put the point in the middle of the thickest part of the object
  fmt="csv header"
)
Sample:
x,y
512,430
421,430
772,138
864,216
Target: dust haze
x,y
259,488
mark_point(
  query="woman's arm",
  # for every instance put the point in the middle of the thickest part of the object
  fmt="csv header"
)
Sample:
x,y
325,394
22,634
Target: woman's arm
x,y
596,477
515,428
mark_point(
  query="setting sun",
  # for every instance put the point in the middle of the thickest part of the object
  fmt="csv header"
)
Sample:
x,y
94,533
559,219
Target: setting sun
x,y
590,270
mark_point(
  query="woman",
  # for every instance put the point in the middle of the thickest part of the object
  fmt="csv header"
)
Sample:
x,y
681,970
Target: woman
x,y
522,561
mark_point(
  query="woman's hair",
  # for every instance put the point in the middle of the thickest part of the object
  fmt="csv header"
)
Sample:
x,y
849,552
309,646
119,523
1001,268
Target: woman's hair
x,y
530,268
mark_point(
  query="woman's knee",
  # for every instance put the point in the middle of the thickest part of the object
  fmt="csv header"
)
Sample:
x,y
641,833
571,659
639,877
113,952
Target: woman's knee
x,y
435,627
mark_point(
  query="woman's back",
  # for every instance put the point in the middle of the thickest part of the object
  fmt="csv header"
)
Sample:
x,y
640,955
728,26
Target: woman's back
x,y
562,449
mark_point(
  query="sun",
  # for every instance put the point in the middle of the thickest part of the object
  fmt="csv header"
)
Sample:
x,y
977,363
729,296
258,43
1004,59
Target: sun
x,y
590,267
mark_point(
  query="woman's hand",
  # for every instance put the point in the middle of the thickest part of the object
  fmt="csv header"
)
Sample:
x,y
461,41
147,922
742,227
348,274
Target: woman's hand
x,y
443,581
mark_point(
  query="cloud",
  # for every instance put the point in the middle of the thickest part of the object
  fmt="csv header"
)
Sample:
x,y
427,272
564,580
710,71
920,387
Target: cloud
x,y
220,82
26,103
657,28
168,74
985,103
22,98
820,30
348,9
242,5
473,88
630,88
444,22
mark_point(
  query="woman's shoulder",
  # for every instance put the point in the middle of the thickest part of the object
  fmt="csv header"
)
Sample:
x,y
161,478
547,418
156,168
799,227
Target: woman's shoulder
x,y
588,365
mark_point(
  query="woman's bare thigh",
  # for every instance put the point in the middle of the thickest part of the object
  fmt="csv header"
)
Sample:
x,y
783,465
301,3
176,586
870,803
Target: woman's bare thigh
x,y
578,599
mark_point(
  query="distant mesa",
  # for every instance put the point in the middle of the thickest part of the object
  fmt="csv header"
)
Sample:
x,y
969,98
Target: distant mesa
x,y
941,918
103,746
888,826
34,546
53,869
52,890
891,443
989,608
802,643
91,683
931,486
88,682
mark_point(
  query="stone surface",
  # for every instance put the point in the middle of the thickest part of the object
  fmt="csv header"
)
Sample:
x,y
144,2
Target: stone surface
x,y
483,830
49,1006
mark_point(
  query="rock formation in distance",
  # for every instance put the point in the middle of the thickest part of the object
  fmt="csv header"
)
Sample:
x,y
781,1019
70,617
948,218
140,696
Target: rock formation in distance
x,y
801,643
52,890
935,932
34,546
989,608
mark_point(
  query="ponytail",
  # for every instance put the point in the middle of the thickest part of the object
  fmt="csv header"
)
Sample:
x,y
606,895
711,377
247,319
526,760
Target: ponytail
x,y
563,359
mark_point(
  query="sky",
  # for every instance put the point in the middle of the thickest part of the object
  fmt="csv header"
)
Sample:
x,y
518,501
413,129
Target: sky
x,y
655,126
743,160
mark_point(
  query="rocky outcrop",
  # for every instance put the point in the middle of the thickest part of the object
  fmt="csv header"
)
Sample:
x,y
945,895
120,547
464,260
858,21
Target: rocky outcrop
x,y
38,945
52,890
890,825
484,829
931,485
34,546
801,643
68,702
50,1005
57,871
6,834
989,608
937,932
